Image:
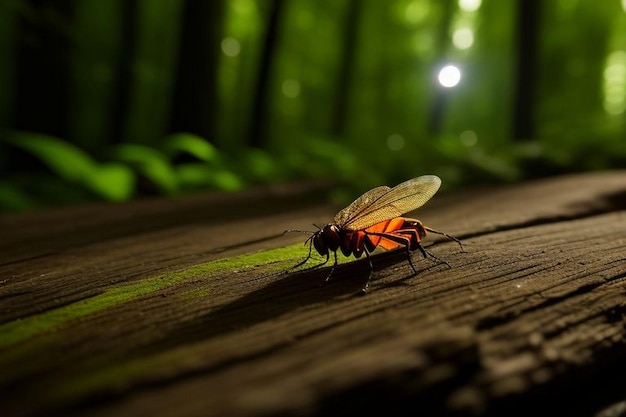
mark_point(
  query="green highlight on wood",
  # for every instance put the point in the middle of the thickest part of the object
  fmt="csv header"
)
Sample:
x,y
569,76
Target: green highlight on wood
x,y
22,329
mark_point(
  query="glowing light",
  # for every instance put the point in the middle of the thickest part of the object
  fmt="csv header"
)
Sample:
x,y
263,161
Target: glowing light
x,y
468,138
395,142
614,85
470,5
231,47
291,88
463,38
449,76
624,5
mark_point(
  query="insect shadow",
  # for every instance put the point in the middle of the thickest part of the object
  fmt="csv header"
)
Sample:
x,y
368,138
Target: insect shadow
x,y
285,292
376,264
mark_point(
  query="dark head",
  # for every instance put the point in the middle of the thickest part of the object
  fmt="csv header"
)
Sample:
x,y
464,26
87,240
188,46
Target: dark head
x,y
327,239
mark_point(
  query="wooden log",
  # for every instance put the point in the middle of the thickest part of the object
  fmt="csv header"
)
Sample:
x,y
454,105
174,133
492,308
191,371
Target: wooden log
x,y
166,307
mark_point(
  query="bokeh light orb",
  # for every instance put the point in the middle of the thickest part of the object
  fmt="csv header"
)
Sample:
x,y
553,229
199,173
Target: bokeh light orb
x,y
449,76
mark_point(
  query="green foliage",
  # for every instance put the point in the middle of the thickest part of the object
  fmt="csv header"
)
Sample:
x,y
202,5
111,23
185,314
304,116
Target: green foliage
x,y
62,158
150,163
339,91
73,175
74,167
186,143
184,163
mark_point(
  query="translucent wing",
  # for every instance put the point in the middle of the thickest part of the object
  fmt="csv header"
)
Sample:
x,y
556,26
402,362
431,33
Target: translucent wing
x,y
387,204
360,204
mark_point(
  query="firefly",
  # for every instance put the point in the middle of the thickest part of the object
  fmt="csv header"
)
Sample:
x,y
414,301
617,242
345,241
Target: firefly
x,y
375,219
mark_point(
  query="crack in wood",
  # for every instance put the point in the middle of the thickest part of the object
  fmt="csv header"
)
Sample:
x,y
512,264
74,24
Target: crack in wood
x,y
608,203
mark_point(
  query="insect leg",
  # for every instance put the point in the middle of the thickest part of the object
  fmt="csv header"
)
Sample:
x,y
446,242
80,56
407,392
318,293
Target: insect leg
x,y
408,256
415,240
401,240
369,276
331,269
310,240
406,242
427,254
445,235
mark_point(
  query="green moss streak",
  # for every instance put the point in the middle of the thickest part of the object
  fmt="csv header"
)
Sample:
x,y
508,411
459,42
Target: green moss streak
x,y
22,329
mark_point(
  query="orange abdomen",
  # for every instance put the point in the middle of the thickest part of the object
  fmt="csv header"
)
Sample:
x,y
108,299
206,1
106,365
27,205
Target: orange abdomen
x,y
390,235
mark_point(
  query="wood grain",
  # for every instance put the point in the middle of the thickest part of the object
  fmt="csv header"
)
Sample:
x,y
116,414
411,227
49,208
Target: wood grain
x,y
529,317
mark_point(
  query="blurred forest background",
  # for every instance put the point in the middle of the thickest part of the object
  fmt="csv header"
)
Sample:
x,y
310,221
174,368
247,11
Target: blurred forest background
x,y
118,99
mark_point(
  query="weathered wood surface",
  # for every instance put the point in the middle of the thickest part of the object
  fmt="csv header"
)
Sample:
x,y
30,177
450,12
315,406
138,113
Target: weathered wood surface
x,y
533,312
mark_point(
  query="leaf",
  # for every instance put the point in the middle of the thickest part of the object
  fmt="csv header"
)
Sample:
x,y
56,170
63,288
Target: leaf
x,y
151,163
195,175
63,158
115,182
227,181
110,181
191,144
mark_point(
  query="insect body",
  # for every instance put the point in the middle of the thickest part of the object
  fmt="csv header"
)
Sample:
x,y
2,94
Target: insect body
x,y
375,219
